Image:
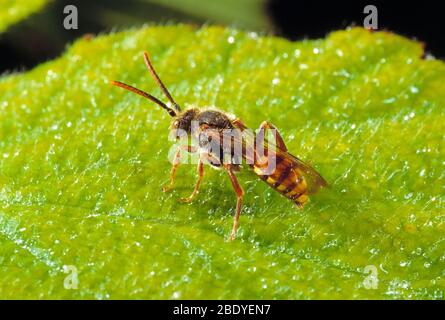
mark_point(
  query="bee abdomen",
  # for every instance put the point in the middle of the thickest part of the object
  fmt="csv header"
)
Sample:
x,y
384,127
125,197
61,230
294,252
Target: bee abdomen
x,y
288,181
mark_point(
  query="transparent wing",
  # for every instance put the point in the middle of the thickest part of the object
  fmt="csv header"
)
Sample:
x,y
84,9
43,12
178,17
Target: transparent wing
x,y
313,179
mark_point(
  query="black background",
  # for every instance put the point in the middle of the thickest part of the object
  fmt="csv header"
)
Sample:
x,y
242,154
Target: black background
x,y
284,309
422,20
34,40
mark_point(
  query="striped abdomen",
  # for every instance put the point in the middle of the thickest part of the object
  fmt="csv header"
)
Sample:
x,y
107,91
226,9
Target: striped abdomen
x,y
286,178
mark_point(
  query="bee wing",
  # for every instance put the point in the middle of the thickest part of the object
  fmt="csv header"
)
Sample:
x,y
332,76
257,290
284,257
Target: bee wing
x,y
314,180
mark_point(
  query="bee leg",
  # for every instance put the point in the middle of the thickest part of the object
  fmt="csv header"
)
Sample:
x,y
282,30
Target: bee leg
x,y
198,183
239,124
239,195
176,163
301,200
279,139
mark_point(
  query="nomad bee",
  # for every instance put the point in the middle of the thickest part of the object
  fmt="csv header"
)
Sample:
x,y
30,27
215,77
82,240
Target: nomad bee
x,y
272,162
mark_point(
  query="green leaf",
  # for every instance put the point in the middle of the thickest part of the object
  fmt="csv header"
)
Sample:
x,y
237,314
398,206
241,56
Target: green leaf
x,y
82,164
12,11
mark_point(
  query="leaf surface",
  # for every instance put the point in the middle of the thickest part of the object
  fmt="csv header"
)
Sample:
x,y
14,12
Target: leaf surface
x,y
82,164
12,11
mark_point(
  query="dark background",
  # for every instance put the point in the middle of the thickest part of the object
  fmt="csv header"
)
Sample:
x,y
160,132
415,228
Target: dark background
x,y
41,37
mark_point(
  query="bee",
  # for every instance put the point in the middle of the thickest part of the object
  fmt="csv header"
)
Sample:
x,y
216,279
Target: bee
x,y
291,177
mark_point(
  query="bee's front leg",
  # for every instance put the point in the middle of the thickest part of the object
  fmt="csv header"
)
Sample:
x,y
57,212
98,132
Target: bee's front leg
x,y
176,163
198,182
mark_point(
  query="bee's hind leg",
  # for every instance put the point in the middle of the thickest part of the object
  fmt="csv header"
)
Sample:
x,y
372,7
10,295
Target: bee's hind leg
x,y
301,200
176,163
198,183
279,139
239,199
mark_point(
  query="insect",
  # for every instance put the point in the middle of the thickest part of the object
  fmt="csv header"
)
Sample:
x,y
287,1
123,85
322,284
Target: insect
x,y
291,177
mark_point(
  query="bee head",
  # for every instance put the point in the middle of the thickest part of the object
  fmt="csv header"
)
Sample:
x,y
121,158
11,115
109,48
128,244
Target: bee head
x,y
183,121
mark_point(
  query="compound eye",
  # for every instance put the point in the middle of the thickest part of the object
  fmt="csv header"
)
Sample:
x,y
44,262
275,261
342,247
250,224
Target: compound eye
x,y
176,124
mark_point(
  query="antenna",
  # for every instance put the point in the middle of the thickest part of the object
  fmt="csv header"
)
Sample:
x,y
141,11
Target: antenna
x,y
145,95
159,82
